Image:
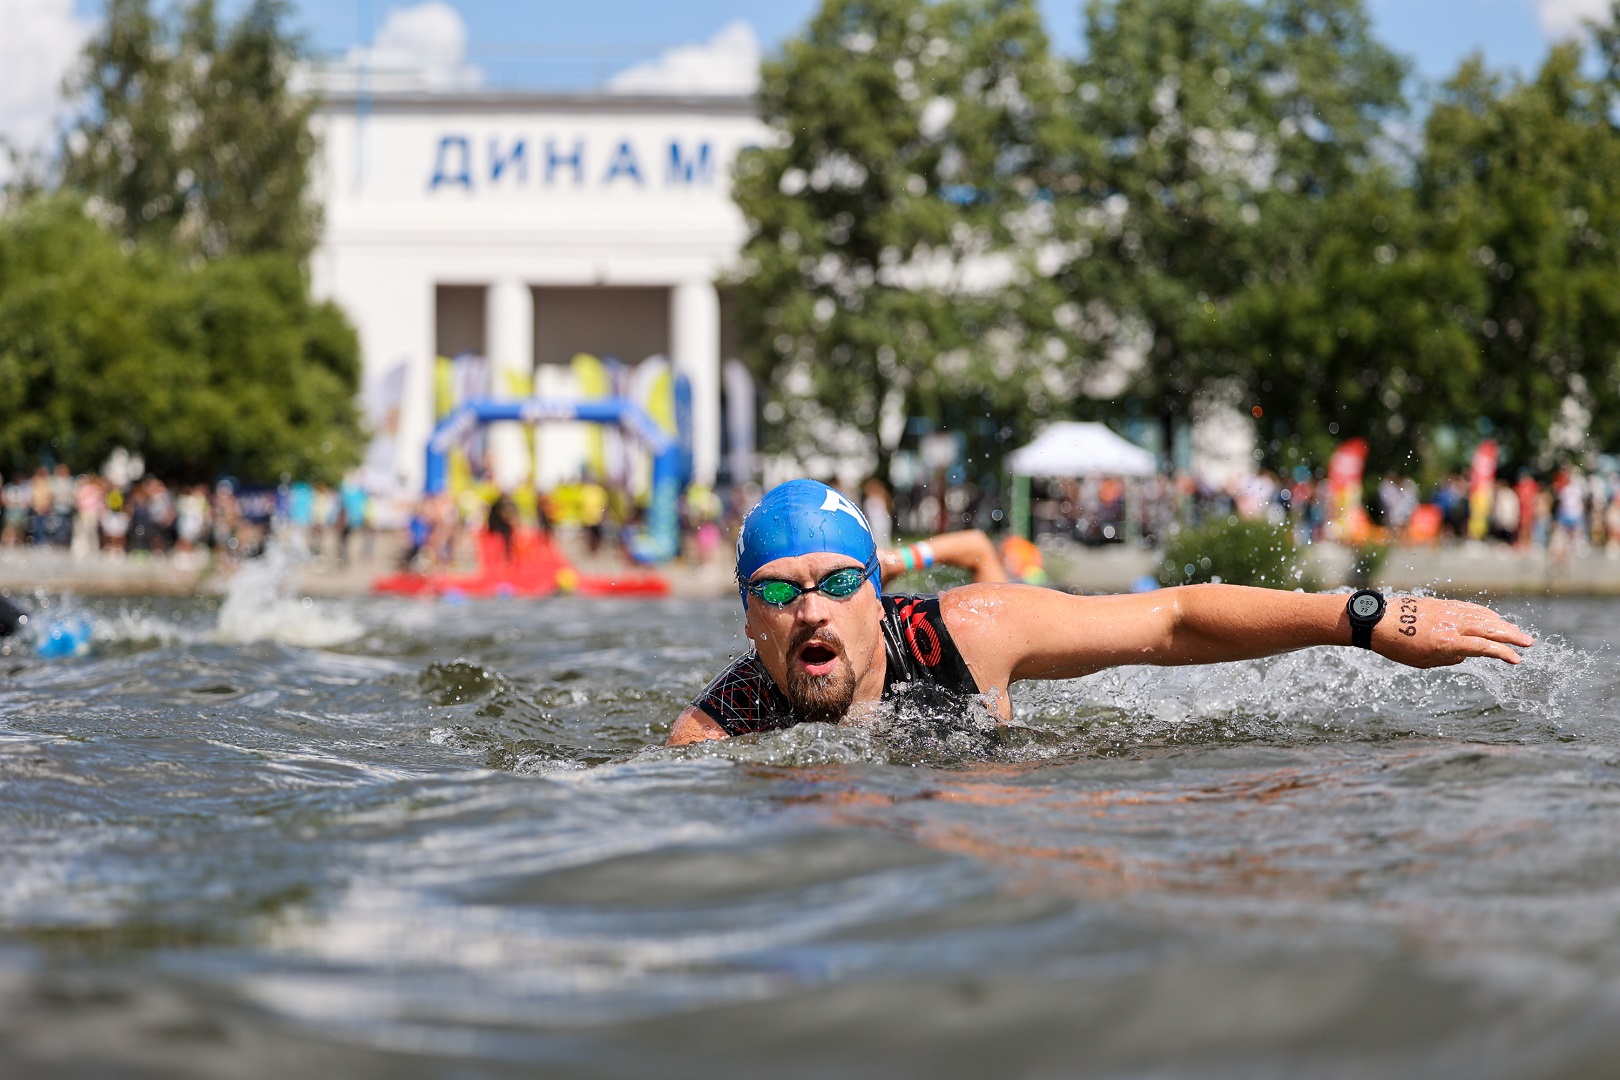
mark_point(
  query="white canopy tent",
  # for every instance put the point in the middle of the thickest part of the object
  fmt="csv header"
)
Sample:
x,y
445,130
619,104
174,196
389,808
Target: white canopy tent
x,y
1080,449
1073,449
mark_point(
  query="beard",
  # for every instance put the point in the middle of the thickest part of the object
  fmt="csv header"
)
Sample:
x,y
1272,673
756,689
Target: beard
x,y
819,699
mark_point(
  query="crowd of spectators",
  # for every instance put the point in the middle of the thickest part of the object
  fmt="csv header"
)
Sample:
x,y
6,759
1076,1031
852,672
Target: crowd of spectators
x,y
1570,511
122,517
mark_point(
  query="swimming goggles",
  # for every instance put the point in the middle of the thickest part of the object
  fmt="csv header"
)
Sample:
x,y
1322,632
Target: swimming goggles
x,y
839,584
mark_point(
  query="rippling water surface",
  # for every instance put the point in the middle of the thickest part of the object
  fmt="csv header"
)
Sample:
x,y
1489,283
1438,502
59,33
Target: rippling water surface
x,y
398,838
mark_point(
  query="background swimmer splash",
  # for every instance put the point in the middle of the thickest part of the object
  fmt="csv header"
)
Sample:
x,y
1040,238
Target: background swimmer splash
x,y
827,647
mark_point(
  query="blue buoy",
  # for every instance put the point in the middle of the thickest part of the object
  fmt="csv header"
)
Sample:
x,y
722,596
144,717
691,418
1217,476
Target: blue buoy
x,y
66,635
1145,583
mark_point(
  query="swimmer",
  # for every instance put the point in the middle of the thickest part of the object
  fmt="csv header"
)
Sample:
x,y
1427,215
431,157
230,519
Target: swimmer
x,y
969,550
12,618
829,645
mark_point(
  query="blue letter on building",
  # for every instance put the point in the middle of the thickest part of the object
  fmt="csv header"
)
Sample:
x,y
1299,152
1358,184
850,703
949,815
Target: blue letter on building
x,y
698,169
575,161
623,164
498,164
443,175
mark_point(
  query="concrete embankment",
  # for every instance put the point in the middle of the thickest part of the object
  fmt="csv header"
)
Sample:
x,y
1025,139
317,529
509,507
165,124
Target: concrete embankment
x,y
1463,570
26,570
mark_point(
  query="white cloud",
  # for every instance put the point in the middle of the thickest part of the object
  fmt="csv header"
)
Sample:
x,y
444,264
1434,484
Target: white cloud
x,y
727,63
1565,18
429,40
40,42
422,47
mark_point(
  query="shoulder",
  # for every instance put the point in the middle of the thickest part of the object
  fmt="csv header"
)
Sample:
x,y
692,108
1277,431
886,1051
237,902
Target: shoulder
x,y
994,607
996,624
694,725
742,698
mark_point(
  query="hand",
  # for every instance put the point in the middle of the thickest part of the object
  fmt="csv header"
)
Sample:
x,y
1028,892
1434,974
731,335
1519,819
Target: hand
x,y
1425,632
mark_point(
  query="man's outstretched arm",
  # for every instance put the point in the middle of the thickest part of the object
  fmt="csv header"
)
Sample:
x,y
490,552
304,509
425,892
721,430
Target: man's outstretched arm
x,y
1011,632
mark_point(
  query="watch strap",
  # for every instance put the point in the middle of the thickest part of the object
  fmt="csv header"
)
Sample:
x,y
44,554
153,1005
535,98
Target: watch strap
x,y
1361,626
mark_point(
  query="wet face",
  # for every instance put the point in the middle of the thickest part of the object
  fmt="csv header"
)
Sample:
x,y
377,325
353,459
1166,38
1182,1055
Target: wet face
x,y
824,653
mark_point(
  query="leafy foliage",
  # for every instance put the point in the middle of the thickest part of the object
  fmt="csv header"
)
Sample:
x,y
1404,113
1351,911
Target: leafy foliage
x,y
222,368
189,135
1228,133
907,160
1527,175
1236,551
1218,197
159,302
1355,338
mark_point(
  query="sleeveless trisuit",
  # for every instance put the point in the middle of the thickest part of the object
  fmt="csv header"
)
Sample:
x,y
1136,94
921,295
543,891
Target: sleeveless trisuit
x,y
921,657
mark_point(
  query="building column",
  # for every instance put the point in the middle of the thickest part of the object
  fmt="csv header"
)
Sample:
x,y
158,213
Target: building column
x,y
694,335
390,340
509,330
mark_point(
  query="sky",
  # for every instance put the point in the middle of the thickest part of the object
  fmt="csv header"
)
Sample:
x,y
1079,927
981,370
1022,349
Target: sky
x,y
1435,33
643,44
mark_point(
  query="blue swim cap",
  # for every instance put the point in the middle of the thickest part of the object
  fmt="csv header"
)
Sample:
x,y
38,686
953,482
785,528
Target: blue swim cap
x,y
802,517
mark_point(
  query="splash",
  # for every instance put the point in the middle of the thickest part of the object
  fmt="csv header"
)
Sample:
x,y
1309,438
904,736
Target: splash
x,y
97,628
1313,696
259,605
140,628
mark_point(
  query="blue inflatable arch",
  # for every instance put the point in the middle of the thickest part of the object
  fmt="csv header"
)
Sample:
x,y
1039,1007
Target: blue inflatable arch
x,y
660,539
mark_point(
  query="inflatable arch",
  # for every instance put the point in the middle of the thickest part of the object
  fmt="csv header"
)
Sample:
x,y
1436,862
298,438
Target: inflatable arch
x,y
659,541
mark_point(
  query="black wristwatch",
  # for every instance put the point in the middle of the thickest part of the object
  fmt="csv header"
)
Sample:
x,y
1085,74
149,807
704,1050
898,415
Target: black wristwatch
x,y
1365,608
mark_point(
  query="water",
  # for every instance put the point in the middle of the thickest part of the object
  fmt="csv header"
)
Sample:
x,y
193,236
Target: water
x,y
395,838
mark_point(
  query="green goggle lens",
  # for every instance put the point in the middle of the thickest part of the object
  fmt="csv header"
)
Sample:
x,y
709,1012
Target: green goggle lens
x,y
838,584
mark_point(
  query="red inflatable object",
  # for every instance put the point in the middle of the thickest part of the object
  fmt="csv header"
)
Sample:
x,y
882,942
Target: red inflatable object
x,y
533,567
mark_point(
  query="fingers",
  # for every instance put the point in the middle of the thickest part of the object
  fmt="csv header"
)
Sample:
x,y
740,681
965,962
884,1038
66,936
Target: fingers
x,y
1478,621
1485,647
1467,648
1488,640
1504,632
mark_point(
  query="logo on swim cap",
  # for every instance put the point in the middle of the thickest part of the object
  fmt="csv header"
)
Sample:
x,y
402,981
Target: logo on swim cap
x,y
836,501
803,517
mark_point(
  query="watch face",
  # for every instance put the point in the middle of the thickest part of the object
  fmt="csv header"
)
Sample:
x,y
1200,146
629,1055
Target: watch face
x,y
1365,606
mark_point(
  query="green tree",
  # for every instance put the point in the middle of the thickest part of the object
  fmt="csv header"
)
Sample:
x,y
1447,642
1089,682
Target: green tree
x,y
188,133
1355,338
1228,135
223,367
1526,177
879,271
1480,296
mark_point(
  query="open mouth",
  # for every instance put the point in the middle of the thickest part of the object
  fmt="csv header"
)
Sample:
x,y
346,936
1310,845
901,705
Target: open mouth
x,y
818,658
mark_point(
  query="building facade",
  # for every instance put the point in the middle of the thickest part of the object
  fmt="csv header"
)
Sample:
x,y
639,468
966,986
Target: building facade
x,y
528,228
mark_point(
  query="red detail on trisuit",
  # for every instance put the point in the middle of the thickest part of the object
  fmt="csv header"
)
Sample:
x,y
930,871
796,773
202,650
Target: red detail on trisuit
x,y
928,653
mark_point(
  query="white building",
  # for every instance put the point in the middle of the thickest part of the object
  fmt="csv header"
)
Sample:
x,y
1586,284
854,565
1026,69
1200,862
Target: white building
x,y
527,228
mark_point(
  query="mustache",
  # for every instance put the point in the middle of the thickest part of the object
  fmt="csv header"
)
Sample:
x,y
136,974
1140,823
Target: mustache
x,y
824,634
